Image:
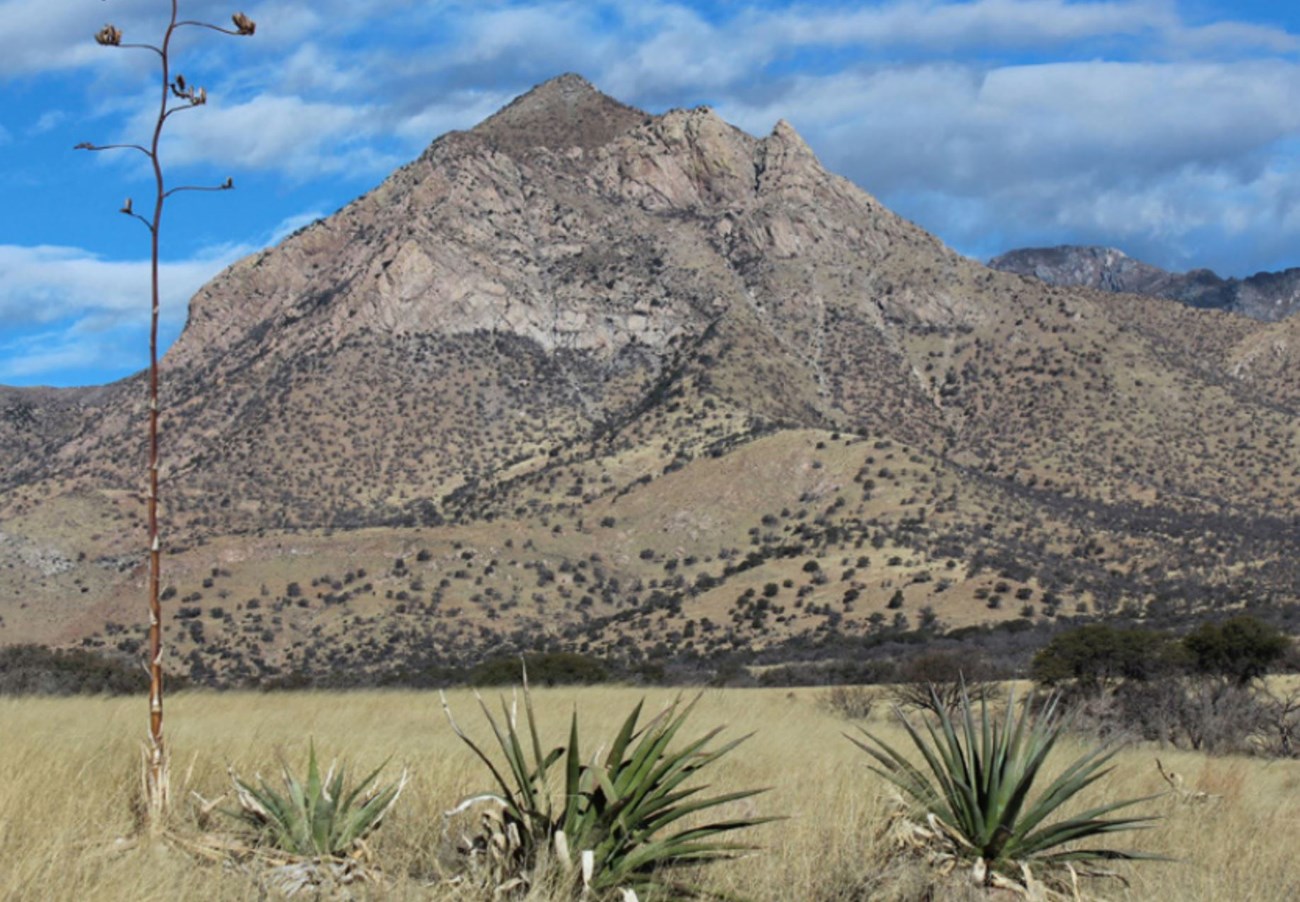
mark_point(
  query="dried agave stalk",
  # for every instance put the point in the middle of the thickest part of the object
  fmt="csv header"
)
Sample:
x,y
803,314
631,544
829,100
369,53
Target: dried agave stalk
x,y
177,95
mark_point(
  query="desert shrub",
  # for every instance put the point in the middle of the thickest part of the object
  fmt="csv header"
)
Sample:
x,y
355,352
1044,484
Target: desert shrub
x,y
943,678
1212,715
1200,692
853,702
550,669
38,670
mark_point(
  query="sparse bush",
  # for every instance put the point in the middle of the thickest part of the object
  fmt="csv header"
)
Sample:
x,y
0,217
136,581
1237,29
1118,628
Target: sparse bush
x,y
945,678
853,702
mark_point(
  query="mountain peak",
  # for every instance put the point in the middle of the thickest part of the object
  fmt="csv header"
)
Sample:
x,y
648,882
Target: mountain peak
x,y
566,111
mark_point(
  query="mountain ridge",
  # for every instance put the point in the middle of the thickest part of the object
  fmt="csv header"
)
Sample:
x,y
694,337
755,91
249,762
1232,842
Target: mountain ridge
x,y
639,368
1266,296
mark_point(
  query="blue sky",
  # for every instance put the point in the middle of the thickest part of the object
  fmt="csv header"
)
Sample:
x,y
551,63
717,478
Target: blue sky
x,y
1168,128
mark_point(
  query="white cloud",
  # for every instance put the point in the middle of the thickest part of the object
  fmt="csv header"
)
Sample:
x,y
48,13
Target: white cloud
x,y
1156,156
984,23
68,312
303,139
46,284
1223,37
453,110
68,309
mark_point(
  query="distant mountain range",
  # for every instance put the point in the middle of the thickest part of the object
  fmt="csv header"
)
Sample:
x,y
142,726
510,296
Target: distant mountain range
x,y
1267,296
650,388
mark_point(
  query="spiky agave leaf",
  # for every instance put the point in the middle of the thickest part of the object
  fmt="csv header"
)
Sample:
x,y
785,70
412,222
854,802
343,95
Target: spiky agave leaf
x,y
318,816
614,810
977,781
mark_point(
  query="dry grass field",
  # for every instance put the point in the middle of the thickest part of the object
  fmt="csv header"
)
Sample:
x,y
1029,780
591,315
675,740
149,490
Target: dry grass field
x,y
69,774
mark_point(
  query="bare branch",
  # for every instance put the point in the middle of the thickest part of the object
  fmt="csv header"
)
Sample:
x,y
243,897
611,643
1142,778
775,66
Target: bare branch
x,y
86,145
157,50
111,36
244,26
129,210
227,185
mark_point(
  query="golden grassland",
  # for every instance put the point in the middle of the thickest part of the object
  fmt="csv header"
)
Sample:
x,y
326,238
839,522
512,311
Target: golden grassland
x,y
69,775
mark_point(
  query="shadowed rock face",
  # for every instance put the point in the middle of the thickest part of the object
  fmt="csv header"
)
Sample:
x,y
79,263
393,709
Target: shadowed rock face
x,y
1267,296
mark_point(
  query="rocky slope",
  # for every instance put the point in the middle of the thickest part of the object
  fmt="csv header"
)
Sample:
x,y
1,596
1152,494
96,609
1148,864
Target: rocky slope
x,y
1267,296
651,387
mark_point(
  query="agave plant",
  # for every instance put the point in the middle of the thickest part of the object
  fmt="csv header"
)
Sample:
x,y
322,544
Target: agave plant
x,y
974,802
615,822
318,817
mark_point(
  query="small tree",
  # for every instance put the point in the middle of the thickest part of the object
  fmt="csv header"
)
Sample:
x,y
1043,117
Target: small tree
x,y
941,681
176,95
1241,648
1096,655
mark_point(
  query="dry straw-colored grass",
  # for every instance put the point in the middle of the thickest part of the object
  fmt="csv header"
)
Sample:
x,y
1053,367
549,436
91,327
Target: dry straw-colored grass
x,y
69,776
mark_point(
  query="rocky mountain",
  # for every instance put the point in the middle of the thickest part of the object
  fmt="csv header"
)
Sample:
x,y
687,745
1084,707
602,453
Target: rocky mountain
x,y
1267,296
651,388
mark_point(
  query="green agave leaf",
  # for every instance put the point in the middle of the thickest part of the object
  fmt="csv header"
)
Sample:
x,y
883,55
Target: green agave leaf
x,y
977,776
616,808
315,816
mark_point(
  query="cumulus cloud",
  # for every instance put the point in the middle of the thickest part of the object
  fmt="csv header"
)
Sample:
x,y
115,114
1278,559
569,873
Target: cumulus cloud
x,y
1142,152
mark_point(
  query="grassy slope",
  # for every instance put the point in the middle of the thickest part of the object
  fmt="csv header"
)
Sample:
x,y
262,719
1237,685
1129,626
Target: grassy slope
x,y
68,777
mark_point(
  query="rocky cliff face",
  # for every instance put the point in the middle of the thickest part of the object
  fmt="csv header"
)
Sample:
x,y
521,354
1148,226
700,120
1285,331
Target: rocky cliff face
x,y
1267,296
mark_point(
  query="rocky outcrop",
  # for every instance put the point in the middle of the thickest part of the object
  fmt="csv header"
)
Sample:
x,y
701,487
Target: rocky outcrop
x,y
1267,296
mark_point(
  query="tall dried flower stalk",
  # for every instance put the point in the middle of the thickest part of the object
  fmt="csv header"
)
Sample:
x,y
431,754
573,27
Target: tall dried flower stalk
x,y
177,95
